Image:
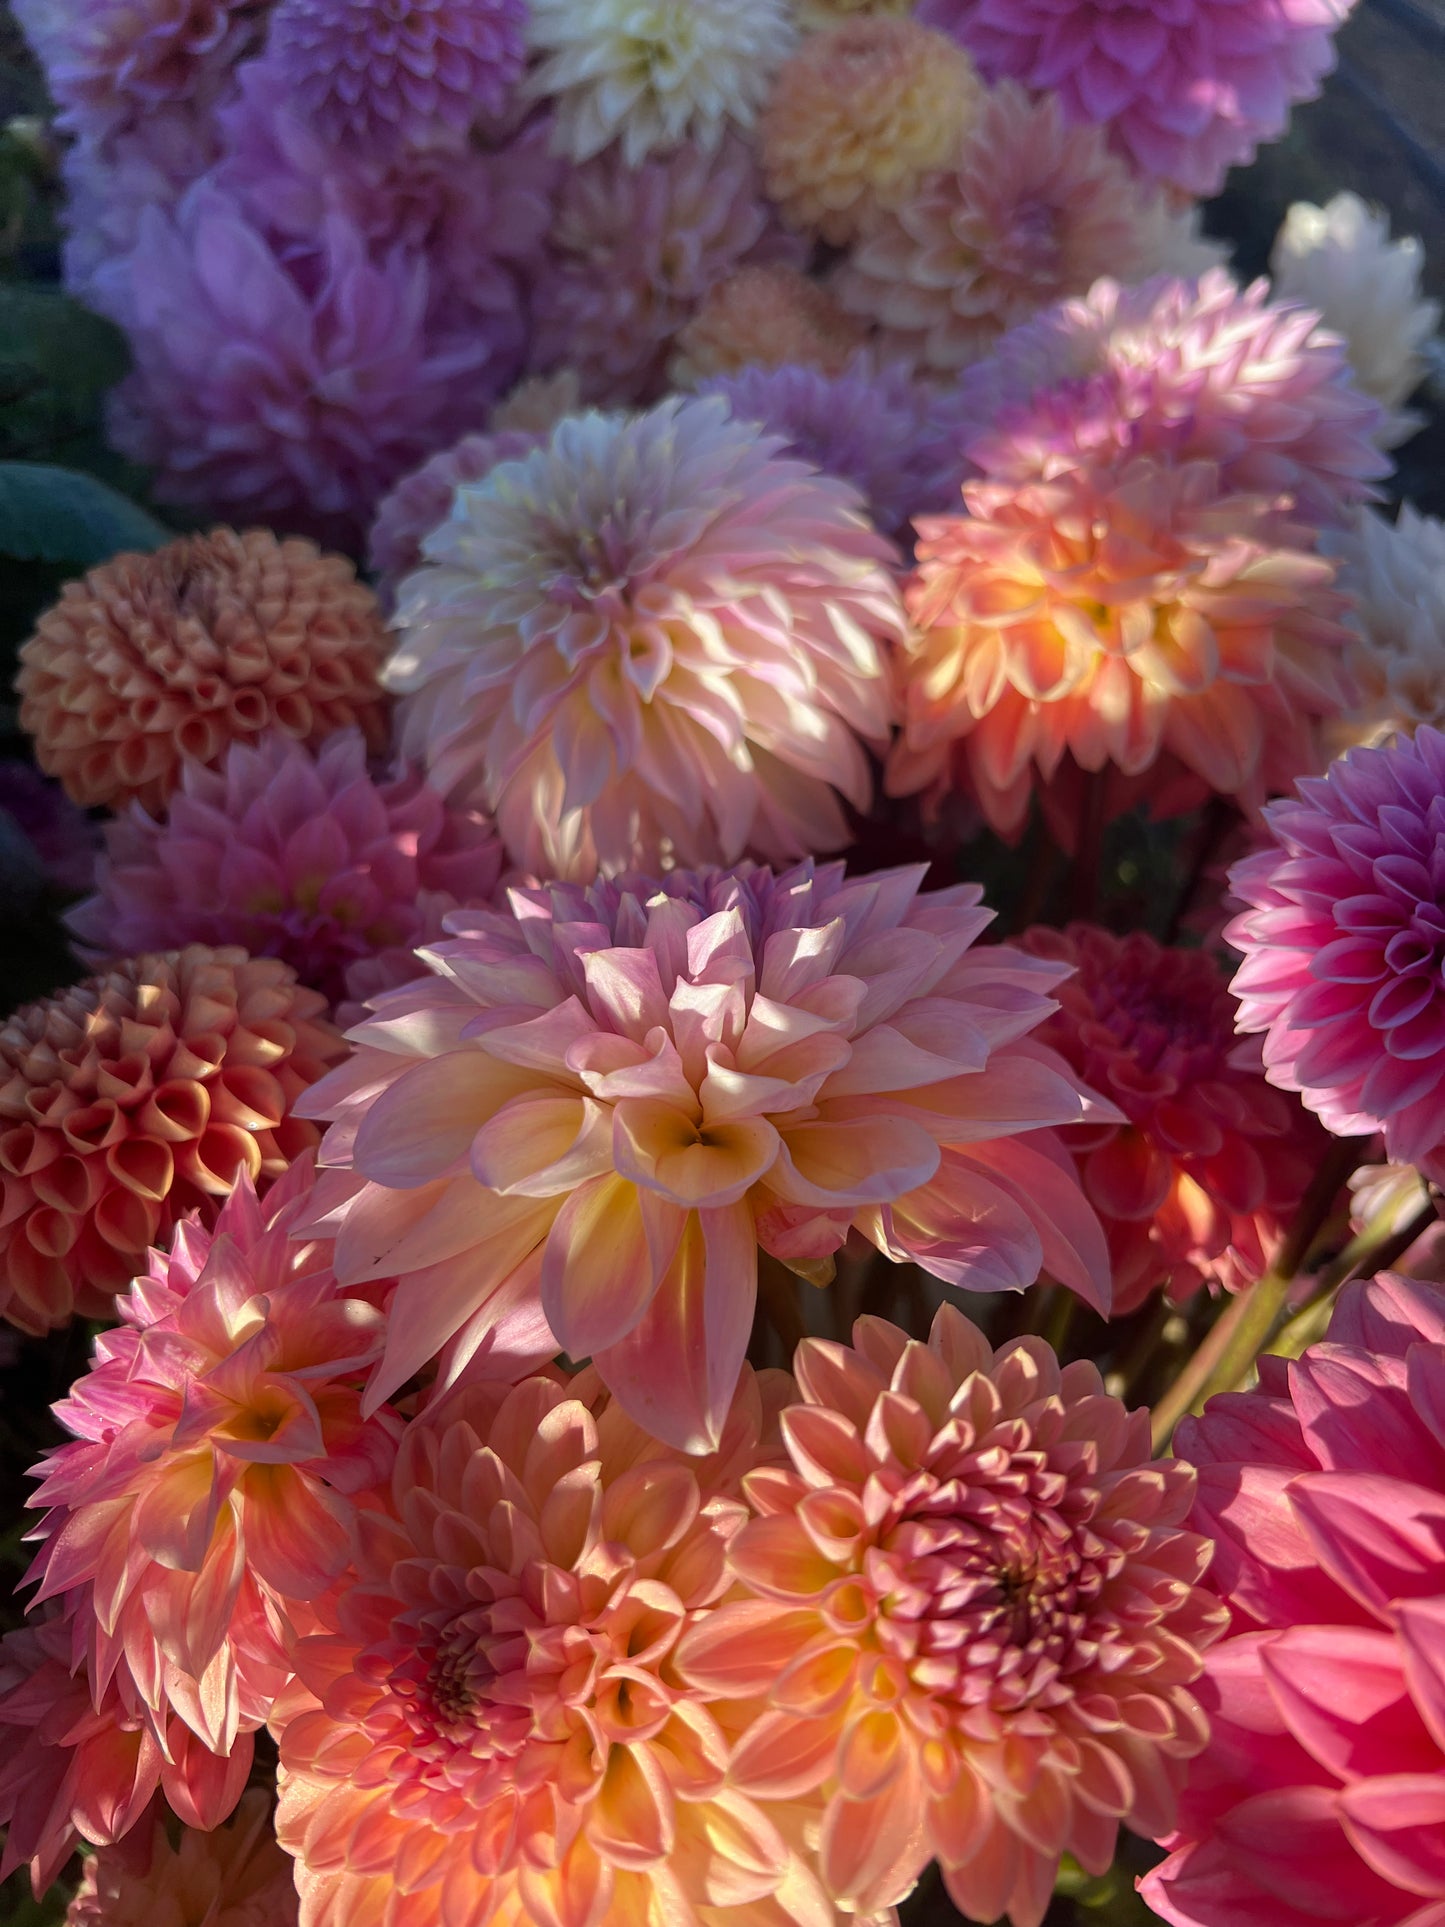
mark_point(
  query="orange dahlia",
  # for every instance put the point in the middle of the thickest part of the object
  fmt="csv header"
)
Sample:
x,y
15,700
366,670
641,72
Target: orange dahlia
x,y
135,1097
765,316
155,658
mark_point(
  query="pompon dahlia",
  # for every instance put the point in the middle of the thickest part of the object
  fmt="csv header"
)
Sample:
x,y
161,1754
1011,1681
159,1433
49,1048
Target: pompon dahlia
x,y
765,317
1343,943
605,1100
1113,612
155,659
422,500
135,1097
296,854
857,117
1186,88
1027,211
1321,1794
1202,1178
1394,575
974,1619
650,74
235,1876
696,680
374,74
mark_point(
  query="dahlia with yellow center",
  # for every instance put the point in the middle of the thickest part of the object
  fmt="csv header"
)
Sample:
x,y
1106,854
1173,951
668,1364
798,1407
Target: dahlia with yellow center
x,y
973,1617
236,1876
765,317
857,117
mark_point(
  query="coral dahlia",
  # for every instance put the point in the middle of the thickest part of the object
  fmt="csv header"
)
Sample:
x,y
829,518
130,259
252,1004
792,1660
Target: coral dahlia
x,y
974,1618
606,1099
235,1876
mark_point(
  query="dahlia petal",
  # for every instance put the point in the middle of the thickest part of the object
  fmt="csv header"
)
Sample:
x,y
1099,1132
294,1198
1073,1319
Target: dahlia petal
x,y
421,1128
1395,1822
873,1850
782,1756
597,1275
1343,1694
1377,1537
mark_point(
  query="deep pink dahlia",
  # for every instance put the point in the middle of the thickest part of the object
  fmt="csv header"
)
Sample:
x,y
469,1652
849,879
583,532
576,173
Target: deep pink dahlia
x,y
1344,942
1187,88
422,500
292,853
1320,1801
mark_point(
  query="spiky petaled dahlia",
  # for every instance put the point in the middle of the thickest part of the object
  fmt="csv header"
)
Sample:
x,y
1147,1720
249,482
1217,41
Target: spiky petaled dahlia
x,y
605,1100
654,639
374,74
135,1097
1114,612
155,659
765,317
1320,1796
293,854
1028,210
423,499
857,117
1394,574
1209,1165
650,74
974,1618
1343,943
1185,88
236,1876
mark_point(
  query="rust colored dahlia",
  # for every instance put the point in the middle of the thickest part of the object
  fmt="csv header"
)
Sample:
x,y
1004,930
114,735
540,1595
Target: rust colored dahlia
x,y
974,1618
235,1876
135,1097
765,317
155,658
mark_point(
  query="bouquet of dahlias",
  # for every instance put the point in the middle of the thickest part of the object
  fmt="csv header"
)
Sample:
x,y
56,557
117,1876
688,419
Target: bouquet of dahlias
x,y
738,793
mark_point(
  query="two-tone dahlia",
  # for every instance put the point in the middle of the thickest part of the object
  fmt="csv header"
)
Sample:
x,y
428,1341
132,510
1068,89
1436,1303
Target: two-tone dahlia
x,y
974,1618
135,1097
296,854
770,317
1343,943
655,639
605,1100
1321,1795
235,1876
1394,575
153,660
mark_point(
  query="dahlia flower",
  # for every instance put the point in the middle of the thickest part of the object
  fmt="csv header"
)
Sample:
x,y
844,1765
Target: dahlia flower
x,y
1320,1795
818,15
857,117
1343,941
1113,612
155,659
135,1097
972,1606
1203,1177
1186,88
1394,574
536,405
765,317
293,854
373,74
110,181
1028,210
422,500
692,682
604,1101
236,1876
649,74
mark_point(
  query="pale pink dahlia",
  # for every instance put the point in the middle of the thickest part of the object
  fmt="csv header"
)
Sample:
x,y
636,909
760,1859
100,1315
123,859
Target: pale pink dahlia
x,y
1186,88
974,1619
654,639
422,500
605,1100
1343,944
1320,1801
235,1876
292,853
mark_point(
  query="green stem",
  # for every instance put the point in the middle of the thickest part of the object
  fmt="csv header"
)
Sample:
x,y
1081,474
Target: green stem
x,y
1371,1252
1181,1395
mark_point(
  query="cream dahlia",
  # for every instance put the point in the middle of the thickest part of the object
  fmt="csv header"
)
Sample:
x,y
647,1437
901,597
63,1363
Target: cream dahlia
x,y
1394,575
235,1876
767,317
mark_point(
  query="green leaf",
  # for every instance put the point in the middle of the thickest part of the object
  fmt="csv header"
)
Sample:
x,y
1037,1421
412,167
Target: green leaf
x,y
46,338
59,515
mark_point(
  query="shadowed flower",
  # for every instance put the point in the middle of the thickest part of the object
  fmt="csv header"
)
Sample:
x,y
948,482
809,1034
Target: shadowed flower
x,y
235,1876
974,1618
1321,1796
765,316
606,1100
654,639
138,1096
46,843
1394,574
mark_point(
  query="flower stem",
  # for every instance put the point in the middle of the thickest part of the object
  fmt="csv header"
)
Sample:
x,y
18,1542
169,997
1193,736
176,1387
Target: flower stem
x,y
1373,1251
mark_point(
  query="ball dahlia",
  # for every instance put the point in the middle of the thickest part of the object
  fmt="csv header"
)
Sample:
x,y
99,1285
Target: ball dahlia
x,y
1394,575
1343,942
855,119
654,639
605,1100
972,1603
138,1096
235,1876
153,660
422,500
1320,1796
765,317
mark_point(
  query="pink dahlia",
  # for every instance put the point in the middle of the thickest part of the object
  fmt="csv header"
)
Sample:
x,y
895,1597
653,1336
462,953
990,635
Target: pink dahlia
x,y
1186,88
605,1100
1321,1798
235,1876
491,1722
1201,1178
1343,944
292,853
653,639
974,1618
